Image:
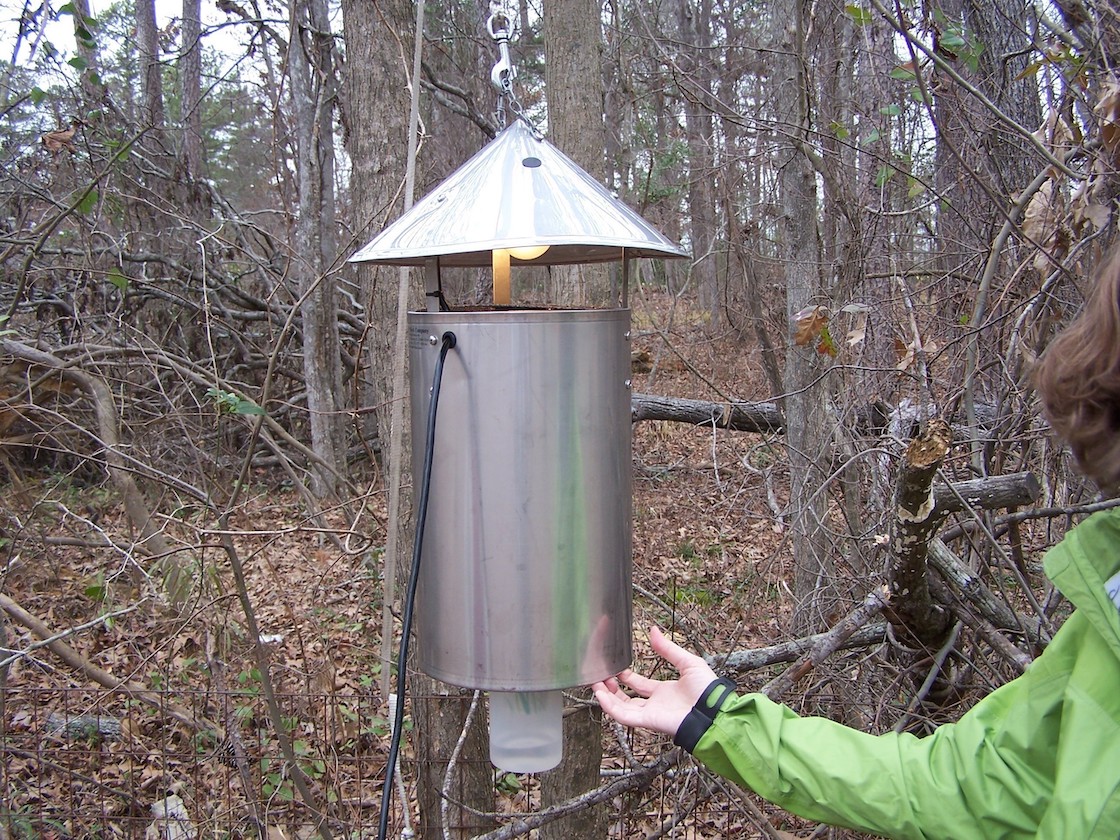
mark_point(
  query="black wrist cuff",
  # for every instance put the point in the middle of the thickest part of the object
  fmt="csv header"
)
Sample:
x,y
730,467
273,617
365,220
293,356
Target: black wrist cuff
x,y
701,715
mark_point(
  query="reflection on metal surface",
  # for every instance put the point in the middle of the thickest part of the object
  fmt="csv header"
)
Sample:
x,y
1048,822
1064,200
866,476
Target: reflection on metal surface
x,y
526,572
519,191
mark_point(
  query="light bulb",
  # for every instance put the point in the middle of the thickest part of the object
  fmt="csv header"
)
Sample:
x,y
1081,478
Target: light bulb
x,y
529,252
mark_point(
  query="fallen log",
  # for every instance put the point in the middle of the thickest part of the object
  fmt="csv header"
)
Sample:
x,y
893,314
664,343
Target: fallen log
x,y
992,492
761,418
100,676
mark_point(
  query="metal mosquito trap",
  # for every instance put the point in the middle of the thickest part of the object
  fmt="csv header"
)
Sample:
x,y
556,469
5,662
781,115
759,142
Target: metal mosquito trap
x,y
525,576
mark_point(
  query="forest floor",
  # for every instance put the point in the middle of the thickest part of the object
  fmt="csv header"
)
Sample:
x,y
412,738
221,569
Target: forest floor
x,y
709,564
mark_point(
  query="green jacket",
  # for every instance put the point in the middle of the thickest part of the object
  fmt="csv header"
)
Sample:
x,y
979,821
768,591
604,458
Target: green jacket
x,y
1039,757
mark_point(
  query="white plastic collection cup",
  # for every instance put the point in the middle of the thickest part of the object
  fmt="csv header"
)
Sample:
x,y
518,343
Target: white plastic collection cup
x,y
526,730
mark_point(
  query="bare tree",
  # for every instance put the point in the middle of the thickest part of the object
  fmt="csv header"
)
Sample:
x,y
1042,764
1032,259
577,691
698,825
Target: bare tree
x,y
190,96
311,51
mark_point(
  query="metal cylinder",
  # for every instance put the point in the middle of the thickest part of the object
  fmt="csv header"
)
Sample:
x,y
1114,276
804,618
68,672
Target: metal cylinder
x,y
525,580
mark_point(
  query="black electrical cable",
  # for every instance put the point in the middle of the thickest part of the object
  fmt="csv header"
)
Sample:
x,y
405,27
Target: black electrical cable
x,y
447,342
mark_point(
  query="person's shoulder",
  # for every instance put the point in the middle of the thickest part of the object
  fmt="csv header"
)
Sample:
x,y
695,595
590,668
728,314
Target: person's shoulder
x,y
1090,551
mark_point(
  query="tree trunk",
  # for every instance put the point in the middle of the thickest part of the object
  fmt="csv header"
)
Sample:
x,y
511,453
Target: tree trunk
x,y
92,91
377,108
808,438
311,72
694,20
151,83
440,713
574,85
917,620
190,105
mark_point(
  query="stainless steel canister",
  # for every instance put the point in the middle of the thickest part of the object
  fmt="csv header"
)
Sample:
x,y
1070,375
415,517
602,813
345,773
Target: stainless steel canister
x,y
525,579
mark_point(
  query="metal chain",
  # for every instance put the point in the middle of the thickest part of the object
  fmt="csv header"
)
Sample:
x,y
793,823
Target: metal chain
x,y
502,27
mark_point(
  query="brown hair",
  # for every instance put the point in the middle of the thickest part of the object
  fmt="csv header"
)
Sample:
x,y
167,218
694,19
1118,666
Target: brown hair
x,y
1078,380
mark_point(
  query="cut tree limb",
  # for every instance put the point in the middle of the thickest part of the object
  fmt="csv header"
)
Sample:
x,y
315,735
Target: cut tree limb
x,y
992,492
989,606
914,615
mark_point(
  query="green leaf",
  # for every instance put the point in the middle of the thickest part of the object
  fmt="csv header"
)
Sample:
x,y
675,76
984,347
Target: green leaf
x,y
88,202
37,95
885,173
839,130
860,15
67,9
915,189
248,407
825,345
508,783
952,39
118,279
903,74
919,96
892,110
872,137
229,403
78,63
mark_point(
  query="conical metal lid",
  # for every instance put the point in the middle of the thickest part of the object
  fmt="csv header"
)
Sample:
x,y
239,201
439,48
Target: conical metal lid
x,y
518,191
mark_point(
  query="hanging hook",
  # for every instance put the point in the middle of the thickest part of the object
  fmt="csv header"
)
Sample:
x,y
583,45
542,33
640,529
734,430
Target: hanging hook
x,y
500,28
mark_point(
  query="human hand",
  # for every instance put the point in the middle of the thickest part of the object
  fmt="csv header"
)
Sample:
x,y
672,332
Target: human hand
x,y
661,705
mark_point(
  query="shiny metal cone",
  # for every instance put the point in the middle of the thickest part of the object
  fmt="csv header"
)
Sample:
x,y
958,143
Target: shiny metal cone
x,y
518,191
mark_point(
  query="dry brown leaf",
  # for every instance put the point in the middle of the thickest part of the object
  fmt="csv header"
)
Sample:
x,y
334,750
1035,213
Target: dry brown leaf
x,y
1056,135
60,140
808,325
858,330
905,354
1108,111
1042,224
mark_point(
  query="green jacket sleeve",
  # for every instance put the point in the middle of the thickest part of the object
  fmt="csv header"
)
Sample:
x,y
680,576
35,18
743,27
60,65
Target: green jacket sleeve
x,y
964,781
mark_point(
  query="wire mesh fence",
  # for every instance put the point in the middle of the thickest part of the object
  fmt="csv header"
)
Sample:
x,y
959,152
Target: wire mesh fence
x,y
81,763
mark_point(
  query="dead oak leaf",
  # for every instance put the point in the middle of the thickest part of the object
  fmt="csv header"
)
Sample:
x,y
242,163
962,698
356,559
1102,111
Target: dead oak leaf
x,y
809,323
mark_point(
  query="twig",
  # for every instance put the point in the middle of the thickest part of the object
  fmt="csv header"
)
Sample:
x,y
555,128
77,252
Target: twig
x,y
233,736
299,778
445,790
47,642
741,797
751,660
931,677
637,780
828,643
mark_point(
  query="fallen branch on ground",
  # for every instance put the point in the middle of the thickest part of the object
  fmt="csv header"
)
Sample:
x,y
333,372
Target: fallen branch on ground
x,y
638,780
742,661
103,678
828,643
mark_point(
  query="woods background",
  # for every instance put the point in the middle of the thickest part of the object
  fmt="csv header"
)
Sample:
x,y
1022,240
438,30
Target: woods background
x,y
891,208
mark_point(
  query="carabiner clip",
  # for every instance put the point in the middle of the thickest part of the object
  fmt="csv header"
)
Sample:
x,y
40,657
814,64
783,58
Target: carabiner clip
x,y
503,73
